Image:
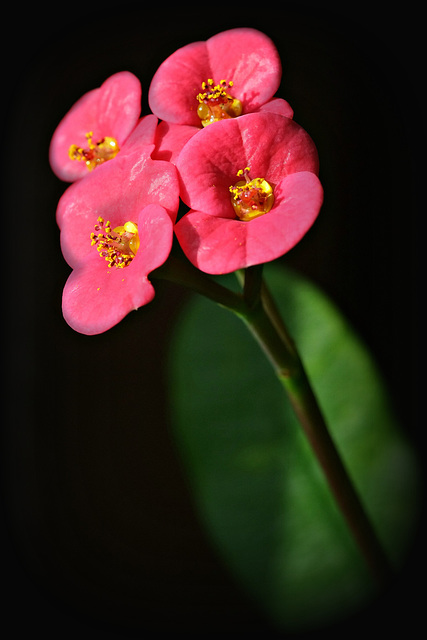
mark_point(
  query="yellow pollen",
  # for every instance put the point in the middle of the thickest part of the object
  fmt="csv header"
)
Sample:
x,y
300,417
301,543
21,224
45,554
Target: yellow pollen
x,y
241,172
215,103
251,198
95,153
119,245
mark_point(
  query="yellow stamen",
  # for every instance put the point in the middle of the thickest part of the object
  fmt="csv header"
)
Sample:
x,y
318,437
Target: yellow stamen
x,y
118,246
95,153
215,103
251,198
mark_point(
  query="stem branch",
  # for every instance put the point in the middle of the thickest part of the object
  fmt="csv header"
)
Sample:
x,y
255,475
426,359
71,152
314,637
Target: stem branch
x,y
183,273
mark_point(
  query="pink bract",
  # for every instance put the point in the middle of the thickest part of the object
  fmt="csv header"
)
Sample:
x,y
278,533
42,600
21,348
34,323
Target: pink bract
x,y
276,149
96,297
244,56
110,110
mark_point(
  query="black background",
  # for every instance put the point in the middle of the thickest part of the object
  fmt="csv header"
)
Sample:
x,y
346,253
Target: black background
x,y
100,534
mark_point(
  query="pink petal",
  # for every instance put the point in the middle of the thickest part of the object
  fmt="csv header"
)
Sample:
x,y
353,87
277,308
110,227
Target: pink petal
x,y
117,192
221,245
246,57
272,145
170,139
277,105
143,134
96,297
111,110
176,83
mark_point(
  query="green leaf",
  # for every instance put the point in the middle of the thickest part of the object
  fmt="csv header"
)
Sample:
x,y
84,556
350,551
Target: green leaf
x,y
257,485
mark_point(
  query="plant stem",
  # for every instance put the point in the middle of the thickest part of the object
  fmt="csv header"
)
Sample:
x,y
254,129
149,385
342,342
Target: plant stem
x,y
252,283
268,328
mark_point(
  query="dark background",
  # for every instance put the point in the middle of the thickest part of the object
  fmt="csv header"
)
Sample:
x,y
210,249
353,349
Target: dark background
x,y
100,536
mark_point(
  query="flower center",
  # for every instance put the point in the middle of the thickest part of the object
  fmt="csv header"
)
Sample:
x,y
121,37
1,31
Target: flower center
x,y
95,154
215,103
251,198
118,246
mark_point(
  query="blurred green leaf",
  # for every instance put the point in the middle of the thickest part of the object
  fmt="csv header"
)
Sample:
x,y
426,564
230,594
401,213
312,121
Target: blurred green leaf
x,y
257,485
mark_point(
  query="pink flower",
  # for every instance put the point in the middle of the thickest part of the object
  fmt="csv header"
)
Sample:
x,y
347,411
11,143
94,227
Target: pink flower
x,y
252,187
233,73
96,127
116,227
96,296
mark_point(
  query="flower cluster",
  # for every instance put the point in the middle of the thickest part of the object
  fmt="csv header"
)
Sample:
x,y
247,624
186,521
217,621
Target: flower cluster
x,y
217,139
